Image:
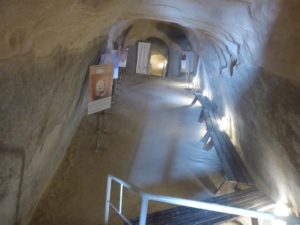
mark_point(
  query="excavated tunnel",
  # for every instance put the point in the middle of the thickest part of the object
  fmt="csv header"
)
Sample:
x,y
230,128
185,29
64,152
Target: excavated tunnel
x,y
246,57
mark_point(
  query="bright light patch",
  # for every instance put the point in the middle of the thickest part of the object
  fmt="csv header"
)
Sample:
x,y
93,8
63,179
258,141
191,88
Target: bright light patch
x,y
224,123
280,210
160,65
195,82
205,93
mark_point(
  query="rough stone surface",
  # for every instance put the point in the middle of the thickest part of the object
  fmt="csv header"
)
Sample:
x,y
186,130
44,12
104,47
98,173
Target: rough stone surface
x,y
41,107
45,49
264,113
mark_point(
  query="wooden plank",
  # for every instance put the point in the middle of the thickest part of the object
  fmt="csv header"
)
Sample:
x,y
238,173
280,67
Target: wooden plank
x,y
208,122
181,215
209,145
239,169
201,115
238,160
218,146
194,100
223,159
205,102
236,170
230,160
205,138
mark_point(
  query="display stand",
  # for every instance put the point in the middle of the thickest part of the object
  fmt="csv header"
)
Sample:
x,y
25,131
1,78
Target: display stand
x,y
187,80
101,129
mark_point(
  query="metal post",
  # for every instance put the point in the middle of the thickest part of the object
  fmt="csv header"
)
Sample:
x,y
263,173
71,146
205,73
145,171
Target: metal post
x,y
254,221
121,199
107,200
104,129
144,209
186,79
146,197
98,133
100,130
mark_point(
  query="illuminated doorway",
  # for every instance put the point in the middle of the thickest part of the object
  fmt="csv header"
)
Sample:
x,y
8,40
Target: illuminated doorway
x,y
159,55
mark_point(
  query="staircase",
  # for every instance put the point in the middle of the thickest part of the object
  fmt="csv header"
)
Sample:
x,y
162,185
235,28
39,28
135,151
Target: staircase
x,y
214,210
246,199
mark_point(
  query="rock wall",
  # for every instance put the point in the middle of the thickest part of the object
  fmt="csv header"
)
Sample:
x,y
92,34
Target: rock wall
x,y
264,118
262,101
42,103
45,51
249,51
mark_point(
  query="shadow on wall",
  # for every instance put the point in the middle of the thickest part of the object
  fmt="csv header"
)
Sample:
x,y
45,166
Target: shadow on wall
x,y
269,134
40,109
275,93
12,164
264,105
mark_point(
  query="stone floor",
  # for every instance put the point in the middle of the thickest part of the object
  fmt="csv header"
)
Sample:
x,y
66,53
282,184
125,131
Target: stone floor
x,y
152,141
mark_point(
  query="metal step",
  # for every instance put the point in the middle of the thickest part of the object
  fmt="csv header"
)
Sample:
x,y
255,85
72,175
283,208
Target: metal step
x,y
247,199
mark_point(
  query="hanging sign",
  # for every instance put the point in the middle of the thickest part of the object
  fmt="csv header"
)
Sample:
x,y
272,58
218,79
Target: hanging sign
x,y
100,87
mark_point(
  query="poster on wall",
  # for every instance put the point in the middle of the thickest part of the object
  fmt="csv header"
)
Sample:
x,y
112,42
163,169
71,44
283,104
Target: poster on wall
x,y
143,56
190,61
183,65
187,62
100,87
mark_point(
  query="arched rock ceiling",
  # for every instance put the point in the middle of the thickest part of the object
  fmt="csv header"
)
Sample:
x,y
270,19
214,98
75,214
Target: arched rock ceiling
x,y
238,29
136,30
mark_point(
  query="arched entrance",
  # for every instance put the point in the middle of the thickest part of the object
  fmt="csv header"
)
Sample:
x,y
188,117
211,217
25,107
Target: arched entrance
x,y
159,57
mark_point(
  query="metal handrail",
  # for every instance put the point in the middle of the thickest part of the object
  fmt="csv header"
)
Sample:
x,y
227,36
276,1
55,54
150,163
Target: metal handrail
x,y
109,204
146,197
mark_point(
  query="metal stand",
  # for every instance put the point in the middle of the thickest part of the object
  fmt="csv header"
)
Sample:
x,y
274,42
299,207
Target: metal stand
x,y
100,130
187,78
187,75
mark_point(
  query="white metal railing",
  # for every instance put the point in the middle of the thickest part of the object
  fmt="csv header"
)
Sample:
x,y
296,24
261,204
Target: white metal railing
x,y
146,197
109,204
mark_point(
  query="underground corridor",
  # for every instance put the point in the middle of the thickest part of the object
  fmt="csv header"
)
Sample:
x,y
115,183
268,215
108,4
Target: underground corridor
x,y
150,112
